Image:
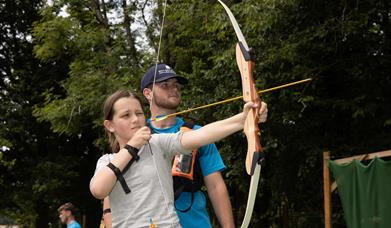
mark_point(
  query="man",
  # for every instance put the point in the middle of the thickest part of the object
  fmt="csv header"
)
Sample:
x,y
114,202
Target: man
x,y
67,213
164,96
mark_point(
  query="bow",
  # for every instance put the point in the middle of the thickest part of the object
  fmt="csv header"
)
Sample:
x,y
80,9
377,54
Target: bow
x,y
245,62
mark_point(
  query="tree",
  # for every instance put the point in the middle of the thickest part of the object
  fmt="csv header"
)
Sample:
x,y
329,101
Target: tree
x,y
31,168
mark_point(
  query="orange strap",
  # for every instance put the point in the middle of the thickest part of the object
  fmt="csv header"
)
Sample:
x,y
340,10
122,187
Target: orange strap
x,y
183,164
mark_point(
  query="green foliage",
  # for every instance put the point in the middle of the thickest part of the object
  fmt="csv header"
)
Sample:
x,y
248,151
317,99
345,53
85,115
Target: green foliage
x,y
97,66
54,36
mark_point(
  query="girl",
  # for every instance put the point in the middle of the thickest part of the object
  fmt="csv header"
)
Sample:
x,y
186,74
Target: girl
x,y
141,162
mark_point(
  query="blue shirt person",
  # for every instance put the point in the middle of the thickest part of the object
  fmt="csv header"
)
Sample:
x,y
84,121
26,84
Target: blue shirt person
x,y
67,213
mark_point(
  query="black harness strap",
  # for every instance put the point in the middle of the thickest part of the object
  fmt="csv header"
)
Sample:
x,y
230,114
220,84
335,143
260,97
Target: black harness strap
x,y
120,177
182,184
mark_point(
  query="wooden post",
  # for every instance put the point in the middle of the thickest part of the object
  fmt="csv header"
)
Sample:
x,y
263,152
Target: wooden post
x,y
326,190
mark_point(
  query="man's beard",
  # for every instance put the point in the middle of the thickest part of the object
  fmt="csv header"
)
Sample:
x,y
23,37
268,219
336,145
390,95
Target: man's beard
x,y
166,103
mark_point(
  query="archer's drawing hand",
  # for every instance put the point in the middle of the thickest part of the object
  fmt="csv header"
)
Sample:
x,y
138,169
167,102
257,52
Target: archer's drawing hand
x,y
140,137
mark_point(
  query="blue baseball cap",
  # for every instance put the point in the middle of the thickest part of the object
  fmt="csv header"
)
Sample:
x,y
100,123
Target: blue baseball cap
x,y
163,72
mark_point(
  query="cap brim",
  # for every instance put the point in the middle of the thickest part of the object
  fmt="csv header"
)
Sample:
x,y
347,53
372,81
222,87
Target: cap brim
x,y
181,80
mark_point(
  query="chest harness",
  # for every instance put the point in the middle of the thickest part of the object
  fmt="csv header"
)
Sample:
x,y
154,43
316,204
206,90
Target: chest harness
x,y
186,172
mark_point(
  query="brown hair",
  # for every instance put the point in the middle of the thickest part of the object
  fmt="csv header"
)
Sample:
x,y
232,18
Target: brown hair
x,y
108,113
67,207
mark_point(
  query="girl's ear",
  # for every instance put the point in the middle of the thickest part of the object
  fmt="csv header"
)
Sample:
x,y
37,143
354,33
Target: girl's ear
x,y
108,125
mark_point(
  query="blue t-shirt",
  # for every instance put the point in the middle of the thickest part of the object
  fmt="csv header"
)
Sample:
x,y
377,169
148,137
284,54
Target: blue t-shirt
x,y
73,224
210,162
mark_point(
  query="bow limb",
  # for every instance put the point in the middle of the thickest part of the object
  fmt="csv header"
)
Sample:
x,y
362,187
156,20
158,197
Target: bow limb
x,y
251,196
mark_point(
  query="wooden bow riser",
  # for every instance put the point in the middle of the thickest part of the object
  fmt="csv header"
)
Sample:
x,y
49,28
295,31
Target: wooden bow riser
x,y
251,129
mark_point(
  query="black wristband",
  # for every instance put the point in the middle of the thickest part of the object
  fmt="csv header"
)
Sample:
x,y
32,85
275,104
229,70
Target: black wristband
x,y
133,151
119,176
107,210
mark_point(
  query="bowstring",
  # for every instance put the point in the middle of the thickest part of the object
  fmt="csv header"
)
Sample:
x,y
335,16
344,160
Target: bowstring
x,y
158,53
150,111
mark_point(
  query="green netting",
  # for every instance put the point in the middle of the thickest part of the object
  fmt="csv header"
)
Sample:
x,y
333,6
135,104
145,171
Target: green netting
x,y
365,192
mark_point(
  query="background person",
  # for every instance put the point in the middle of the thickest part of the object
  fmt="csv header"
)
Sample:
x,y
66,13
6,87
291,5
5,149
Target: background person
x,y
67,214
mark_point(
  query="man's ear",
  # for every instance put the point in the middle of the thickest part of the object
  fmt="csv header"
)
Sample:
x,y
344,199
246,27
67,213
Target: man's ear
x,y
108,125
147,94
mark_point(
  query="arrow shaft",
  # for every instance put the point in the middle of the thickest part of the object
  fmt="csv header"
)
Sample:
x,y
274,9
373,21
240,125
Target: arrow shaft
x,y
232,99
